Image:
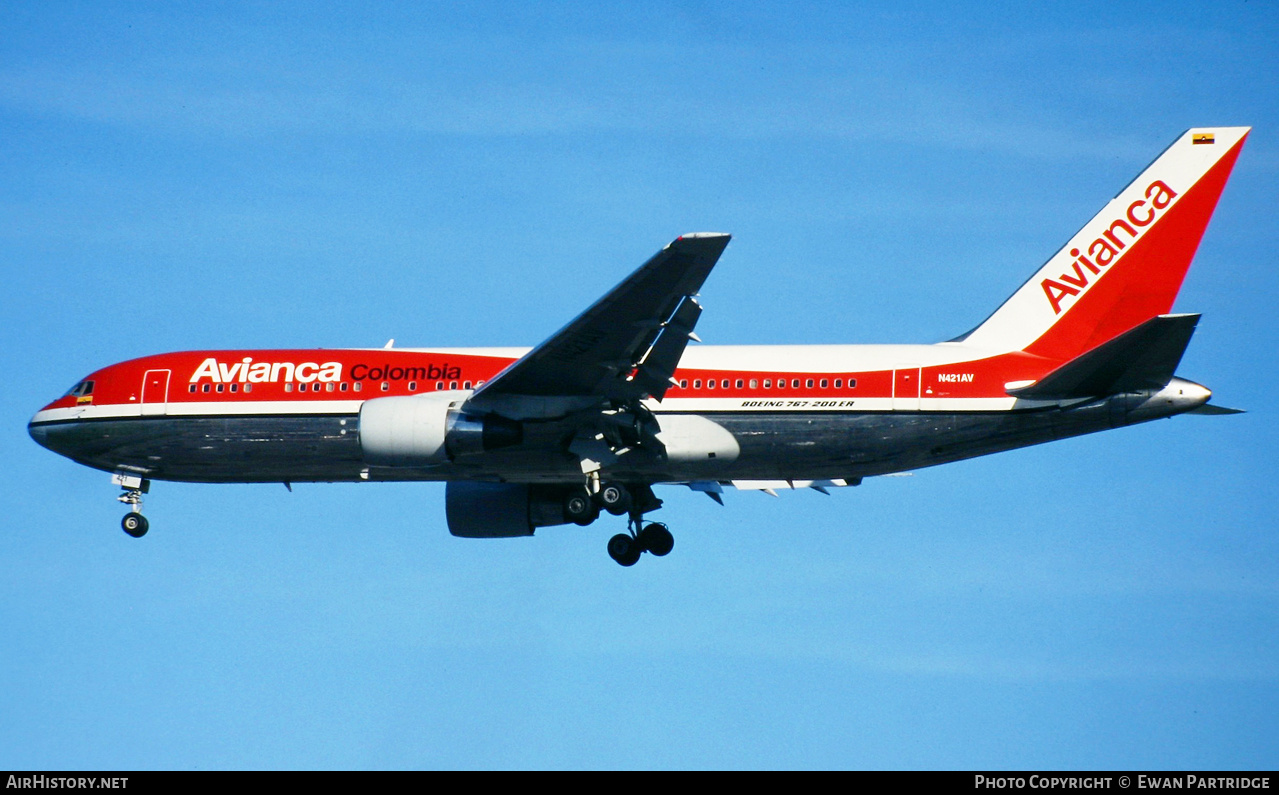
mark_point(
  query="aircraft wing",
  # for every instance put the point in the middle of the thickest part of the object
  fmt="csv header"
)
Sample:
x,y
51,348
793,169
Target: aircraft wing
x,y
624,347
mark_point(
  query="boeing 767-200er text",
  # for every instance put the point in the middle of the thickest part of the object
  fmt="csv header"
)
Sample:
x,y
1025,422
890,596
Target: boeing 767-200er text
x,y
617,401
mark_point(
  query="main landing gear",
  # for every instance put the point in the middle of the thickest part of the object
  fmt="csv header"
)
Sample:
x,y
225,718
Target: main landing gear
x,y
655,539
133,523
583,506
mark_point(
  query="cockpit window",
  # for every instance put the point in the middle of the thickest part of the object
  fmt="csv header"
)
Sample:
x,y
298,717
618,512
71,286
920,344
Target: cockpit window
x,y
81,389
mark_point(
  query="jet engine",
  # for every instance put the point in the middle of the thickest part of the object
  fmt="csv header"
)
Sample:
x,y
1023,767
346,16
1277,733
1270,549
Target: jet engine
x,y
428,429
501,510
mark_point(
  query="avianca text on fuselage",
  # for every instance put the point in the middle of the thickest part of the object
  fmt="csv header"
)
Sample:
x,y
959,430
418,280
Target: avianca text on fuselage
x,y
246,371
1105,250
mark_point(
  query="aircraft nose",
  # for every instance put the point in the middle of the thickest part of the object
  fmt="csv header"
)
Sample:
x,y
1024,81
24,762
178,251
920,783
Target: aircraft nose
x,y
38,433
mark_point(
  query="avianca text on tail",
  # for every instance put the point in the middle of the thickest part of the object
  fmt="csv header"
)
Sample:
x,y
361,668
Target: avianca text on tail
x,y
620,401
1109,246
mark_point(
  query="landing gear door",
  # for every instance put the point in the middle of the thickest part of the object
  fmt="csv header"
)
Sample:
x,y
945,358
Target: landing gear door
x,y
155,391
906,387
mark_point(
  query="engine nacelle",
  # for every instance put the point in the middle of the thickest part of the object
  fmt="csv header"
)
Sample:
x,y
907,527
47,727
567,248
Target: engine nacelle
x,y
428,429
501,510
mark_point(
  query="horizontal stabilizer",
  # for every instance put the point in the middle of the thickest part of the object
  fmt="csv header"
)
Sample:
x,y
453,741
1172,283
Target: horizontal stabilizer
x,y
1144,357
1214,411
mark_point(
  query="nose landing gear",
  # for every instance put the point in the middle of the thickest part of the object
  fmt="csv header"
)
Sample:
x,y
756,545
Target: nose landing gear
x,y
133,523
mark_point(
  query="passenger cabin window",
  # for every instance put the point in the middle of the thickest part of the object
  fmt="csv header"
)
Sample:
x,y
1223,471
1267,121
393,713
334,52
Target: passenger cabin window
x,y
794,382
809,383
413,386
466,384
191,388
386,385
452,385
248,387
683,384
710,383
235,387
342,387
439,385
768,383
839,382
754,383
852,383
288,387
204,388
724,383
825,383
739,383
697,383
357,386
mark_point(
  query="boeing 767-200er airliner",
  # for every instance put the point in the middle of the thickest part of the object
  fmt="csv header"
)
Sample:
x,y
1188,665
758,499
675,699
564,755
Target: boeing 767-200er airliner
x,y
617,402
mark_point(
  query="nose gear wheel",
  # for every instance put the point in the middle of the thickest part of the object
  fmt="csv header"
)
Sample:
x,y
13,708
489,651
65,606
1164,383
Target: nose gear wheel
x,y
133,523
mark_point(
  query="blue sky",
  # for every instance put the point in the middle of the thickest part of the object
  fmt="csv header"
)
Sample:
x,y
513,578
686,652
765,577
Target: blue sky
x,y
276,175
